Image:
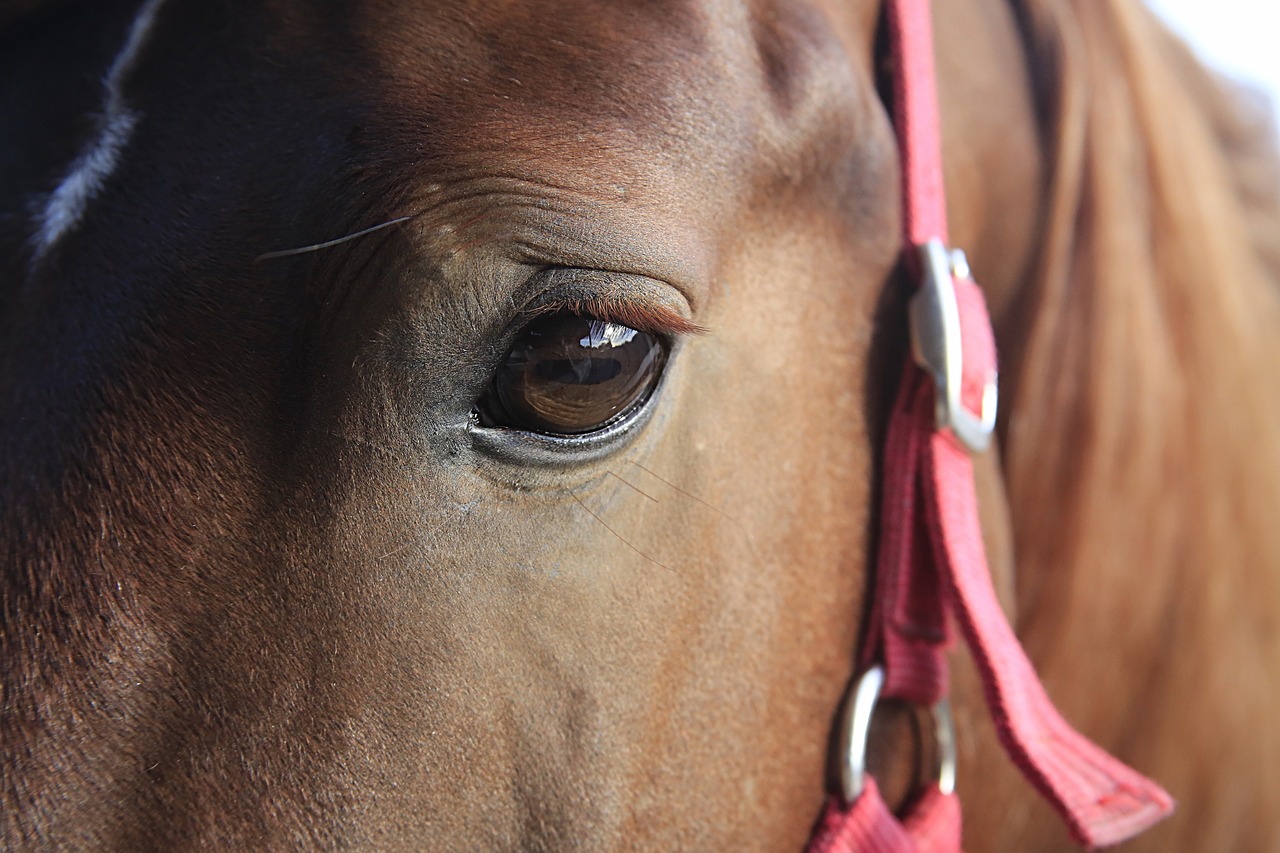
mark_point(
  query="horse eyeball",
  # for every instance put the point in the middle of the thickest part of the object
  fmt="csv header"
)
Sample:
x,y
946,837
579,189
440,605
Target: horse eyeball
x,y
570,375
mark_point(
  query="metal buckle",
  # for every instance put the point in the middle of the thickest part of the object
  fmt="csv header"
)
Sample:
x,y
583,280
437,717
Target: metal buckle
x,y
936,346
860,704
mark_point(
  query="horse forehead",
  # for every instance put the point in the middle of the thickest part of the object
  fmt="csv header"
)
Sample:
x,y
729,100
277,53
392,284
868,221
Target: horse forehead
x,y
705,69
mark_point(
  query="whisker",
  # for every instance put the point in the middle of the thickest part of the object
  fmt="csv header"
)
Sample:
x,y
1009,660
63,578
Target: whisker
x,y
633,485
616,533
284,253
404,547
714,509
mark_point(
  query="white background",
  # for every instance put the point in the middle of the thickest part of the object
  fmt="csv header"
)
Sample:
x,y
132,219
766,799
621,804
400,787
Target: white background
x,y
1238,37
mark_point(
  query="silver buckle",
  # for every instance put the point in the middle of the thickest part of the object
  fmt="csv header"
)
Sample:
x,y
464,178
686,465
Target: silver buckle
x,y
860,704
935,344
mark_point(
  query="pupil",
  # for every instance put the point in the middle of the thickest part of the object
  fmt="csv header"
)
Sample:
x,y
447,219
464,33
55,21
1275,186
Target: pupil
x,y
585,371
570,375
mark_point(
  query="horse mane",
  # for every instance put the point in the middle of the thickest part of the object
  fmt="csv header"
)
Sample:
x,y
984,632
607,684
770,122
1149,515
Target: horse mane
x,y
1142,444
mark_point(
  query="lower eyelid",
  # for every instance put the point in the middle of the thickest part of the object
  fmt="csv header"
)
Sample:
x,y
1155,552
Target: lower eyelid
x,y
525,449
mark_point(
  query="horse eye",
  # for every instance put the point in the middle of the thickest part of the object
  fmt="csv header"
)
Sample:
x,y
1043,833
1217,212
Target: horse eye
x,y
569,375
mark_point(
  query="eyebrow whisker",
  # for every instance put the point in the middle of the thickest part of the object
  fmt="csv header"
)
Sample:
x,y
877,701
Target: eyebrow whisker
x,y
284,253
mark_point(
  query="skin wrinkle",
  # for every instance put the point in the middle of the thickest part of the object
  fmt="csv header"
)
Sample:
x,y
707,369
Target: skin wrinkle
x,y
557,233
261,590
571,220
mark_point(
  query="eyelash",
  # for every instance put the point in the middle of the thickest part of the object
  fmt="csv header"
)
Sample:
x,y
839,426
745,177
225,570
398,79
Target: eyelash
x,y
651,319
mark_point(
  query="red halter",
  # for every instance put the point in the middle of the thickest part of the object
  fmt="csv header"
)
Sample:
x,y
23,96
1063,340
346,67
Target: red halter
x,y
931,562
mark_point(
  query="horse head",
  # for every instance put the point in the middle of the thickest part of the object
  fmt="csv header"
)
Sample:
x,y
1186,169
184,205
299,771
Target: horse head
x,y
457,425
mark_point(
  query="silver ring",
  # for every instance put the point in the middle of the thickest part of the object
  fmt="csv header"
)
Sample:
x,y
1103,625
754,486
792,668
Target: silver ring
x,y
860,704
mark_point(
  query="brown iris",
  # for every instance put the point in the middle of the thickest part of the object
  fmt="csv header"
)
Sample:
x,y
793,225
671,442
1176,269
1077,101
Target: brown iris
x,y
570,375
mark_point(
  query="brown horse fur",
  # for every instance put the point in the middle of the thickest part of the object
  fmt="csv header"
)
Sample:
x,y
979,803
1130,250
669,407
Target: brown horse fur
x,y
264,589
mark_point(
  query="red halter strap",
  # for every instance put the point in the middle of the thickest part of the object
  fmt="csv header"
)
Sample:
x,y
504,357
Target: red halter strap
x,y
931,563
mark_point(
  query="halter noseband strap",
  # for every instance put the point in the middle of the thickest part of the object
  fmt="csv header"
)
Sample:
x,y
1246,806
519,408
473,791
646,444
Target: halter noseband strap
x,y
931,566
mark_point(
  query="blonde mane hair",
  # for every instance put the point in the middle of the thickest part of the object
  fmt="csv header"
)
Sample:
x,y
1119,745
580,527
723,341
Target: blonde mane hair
x,y
1142,449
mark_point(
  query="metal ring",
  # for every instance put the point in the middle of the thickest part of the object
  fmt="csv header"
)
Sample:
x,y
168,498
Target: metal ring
x,y
944,738
860,704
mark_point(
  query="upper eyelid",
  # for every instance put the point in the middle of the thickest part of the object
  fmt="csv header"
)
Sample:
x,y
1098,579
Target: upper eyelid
x,y
637,301
642,316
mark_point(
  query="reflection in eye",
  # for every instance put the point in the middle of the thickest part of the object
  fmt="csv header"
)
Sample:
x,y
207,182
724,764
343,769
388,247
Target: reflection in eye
x,y
569,375
603,332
